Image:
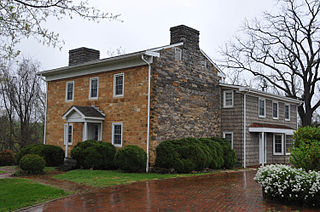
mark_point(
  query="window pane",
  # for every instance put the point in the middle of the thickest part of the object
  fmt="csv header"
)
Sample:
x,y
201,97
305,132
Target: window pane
x,y
228,136
94,87
287,113
117,135
119,85
275,110
228,98
278,144
261,107
288,143
69,91
70,134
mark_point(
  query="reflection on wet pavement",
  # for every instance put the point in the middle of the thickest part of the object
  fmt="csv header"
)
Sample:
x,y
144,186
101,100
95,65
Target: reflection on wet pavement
x,y
234,191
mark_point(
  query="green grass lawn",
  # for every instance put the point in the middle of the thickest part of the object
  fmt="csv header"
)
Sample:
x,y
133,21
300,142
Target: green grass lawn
x,y
103,178
18,193
2,172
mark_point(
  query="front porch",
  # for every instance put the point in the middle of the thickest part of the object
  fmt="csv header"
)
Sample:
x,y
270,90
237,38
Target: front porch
x,y
89,119
271,143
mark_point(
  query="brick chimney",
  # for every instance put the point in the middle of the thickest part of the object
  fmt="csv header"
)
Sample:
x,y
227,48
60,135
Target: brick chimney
x,y
82,55
185,34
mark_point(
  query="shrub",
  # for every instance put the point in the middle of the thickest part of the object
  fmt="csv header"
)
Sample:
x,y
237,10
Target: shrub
x,y
229,155
216,152
7,158
131,159
53,155
306,149
183,155
94,154
32,164
287,184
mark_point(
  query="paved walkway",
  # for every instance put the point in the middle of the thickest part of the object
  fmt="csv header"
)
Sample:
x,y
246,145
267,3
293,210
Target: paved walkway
x,y
235,191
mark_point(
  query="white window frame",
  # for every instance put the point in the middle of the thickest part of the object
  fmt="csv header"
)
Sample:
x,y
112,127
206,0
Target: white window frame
x,y
285,112
224,99
274,144
66,136
114,85
92,78
224,136
275,102
67,83
112,134
285,142
179,51
265,107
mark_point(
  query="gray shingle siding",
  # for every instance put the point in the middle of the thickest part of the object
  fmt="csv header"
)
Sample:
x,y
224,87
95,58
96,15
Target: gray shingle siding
x,y
232,121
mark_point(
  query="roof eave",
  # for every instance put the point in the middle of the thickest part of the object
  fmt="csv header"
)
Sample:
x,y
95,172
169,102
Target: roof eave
x,y
244,89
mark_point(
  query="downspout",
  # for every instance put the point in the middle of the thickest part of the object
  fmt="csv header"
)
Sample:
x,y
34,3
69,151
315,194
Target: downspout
x,y
244,91
148,116
244,130
45,113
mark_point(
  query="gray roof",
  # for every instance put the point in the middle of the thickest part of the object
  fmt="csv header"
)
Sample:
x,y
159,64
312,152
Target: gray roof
x,y
87,111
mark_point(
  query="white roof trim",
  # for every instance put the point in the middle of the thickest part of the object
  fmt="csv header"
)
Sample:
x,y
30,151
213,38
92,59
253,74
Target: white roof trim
x,y
73,108
221,74
261,93
83,117
271,130
97,66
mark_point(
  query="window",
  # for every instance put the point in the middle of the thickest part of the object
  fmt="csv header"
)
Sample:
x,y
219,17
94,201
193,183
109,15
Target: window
x,y
262,108
229,136
117,134
289,142
278,144
177,54
69,91
287,112
118,85
68,134
275,110
203,64
94,86
227,99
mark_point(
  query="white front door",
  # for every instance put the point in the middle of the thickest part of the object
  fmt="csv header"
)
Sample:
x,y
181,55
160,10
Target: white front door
x,y
262,148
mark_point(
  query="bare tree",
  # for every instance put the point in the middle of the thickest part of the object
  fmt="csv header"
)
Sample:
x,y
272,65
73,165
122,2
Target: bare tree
x,y
22,96
24,18
283,49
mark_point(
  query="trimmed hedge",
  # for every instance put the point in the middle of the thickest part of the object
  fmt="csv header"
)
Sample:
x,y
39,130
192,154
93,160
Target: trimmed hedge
x,y
306,149
53,155
131,158
32,164
94,154
229,155
191,154
7,158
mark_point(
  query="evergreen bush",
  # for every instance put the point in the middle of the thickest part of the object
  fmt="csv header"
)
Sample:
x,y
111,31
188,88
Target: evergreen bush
x,y
131,158
32,164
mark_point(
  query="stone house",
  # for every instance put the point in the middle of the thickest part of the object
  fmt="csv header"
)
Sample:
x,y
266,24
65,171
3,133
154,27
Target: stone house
x,y
146,97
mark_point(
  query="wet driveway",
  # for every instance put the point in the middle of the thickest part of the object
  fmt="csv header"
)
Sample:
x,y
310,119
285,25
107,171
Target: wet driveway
x,y
234,191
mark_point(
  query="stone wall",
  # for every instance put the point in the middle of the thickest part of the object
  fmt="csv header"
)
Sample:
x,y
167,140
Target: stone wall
x,y
131,109
185,97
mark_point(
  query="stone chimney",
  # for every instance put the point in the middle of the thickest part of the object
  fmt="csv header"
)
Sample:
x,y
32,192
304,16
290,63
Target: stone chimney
x,y
82,55
187,35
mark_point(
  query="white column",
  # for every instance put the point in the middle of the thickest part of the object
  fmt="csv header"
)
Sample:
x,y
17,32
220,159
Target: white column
x,y
85,131
263,149
67,141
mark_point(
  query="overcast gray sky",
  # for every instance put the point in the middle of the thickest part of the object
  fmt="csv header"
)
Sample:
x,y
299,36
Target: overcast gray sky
x,y
146,24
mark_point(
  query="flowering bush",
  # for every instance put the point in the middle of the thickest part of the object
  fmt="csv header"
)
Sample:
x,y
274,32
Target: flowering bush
x,y
284,183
